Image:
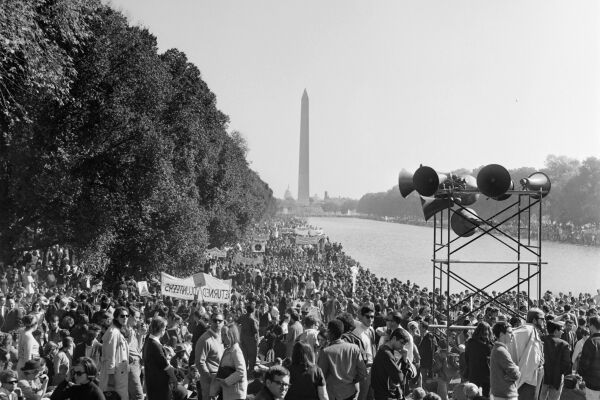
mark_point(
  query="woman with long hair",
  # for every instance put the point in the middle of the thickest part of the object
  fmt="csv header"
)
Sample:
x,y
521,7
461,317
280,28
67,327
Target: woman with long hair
x,y
29,348
85,381
307,381
114,372
231,375
477,355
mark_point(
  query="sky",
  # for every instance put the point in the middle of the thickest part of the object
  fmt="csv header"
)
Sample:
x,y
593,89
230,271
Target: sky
x,y
392,84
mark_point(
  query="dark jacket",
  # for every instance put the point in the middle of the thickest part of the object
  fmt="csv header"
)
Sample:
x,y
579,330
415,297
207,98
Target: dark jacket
x,y
387,375
477,368
427,348
589,363
155,362
88,391
557,361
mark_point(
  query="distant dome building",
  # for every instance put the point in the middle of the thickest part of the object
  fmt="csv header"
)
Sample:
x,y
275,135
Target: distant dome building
x,y
288,194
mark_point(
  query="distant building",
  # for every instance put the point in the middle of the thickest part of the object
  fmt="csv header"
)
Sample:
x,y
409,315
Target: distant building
x,y
288,194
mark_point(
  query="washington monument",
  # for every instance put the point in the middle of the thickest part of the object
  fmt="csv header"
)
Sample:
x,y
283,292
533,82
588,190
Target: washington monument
x,y
303,188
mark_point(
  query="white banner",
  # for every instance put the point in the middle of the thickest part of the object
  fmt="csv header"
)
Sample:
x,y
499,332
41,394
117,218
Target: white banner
x,y
178,288
301,231
215,253
239,259
201,286
213,290
302,240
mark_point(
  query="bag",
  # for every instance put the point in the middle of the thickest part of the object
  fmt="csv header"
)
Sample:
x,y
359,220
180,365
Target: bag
x,y
112,395
223,372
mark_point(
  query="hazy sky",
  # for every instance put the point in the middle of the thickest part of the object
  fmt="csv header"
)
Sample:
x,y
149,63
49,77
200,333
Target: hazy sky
x,y
392,84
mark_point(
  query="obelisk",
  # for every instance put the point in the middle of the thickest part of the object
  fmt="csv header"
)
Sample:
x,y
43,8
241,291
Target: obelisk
x,y
303,188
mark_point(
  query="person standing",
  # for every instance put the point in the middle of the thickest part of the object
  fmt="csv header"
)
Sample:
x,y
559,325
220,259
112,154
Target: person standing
x,y
159,373
388,374
589,362
135,366
342,364
527,352
249,336
477,353
29,348
427,347
114,371
364,330
557,361
209,350
234,381
504,373
13,316
306,379
295,330
569,335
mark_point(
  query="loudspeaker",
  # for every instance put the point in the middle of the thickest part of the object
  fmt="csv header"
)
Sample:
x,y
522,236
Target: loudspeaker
x,y
464,222
493,180
537,182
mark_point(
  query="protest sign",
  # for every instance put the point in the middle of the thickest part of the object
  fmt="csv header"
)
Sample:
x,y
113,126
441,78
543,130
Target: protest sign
x,y
213,290
215,253
304,240
177,287
143,289
239,259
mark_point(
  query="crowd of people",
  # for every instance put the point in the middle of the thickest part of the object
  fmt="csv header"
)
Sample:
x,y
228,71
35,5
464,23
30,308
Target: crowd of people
x,y
303,322
586,235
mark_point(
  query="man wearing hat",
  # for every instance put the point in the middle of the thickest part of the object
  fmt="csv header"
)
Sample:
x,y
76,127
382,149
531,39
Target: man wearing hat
x,y
35,383
557,361
9,389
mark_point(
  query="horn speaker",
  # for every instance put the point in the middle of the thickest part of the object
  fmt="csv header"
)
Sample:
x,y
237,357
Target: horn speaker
x,y
464,222
433,205
405,183
493,180
427,181
537,182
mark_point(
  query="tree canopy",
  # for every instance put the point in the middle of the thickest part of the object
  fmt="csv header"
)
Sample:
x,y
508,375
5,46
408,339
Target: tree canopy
x,y
111,148
573,197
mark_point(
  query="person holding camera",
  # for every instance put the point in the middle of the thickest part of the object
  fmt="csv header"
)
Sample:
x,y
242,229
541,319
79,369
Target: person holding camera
x,y
35,382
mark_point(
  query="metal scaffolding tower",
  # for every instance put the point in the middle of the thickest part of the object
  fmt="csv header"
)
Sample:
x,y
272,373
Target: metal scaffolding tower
x,y
523,211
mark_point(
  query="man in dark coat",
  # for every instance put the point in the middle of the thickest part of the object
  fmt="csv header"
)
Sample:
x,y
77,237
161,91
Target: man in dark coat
x,y
388,374
427,348
589,363
158,372
557,361
249,336
12,320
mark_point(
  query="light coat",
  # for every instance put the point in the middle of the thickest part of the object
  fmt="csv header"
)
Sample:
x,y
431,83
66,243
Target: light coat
x,y
115,360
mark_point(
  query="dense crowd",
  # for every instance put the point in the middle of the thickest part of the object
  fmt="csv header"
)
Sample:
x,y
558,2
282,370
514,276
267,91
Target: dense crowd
x,y
587,235
303,322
